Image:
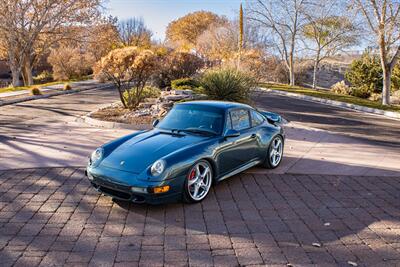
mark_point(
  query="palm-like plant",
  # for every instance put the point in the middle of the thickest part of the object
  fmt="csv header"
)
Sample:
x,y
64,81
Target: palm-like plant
x,y
228,84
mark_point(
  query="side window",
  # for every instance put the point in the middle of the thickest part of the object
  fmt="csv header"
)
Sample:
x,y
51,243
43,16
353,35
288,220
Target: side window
x,y
240,119
256,118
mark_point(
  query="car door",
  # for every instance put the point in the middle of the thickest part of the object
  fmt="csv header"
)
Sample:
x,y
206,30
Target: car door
x,y
236,152
257,121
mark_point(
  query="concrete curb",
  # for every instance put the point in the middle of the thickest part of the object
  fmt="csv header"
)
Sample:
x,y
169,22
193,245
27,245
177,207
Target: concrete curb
x,y
388,114
110,124
35,97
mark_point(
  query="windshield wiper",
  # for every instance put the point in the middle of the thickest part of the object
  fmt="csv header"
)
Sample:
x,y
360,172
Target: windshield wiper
x,y
171,131
199,131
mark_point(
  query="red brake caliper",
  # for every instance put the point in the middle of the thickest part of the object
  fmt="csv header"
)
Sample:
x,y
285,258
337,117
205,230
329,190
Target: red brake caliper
x,y
192,174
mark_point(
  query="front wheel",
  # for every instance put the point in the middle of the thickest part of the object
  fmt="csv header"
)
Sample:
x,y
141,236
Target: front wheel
x,y
275,153
198,182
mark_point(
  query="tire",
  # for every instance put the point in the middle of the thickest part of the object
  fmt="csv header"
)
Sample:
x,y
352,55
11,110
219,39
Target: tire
x,y
275,153
200,176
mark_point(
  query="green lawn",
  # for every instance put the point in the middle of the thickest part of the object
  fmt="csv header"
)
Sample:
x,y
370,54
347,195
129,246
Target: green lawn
x,y
330,95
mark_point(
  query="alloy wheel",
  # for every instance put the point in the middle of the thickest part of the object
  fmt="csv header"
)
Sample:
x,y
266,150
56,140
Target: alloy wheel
x,y
276,151
199,181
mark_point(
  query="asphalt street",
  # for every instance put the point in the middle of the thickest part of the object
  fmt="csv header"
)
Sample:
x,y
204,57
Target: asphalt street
x,y
368,127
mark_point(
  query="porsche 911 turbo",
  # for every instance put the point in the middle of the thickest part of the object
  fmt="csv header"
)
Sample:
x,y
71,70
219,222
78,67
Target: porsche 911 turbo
x,y
197,144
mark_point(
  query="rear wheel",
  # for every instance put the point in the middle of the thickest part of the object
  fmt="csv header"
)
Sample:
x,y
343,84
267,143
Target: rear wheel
x,y
275,153
198,182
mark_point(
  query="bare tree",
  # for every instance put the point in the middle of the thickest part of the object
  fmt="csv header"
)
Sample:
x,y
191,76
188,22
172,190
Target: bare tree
x,y
133,32
283,19
327,32
383,18
24,22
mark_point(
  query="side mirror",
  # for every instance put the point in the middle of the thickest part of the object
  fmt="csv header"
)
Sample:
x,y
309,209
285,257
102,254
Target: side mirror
x,y
275,118
231,133
155,122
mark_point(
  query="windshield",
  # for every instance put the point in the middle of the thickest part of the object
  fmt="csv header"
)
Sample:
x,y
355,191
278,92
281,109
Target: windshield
x,y
193,118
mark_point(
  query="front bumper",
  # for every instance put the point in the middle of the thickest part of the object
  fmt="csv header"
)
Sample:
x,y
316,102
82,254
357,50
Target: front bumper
x,y
110,187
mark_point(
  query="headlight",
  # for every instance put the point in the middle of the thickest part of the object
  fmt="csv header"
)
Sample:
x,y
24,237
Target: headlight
x,y
96,156
158,167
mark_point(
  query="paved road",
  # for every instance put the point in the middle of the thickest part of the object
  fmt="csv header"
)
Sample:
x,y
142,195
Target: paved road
x,y
59,108
367,127
44,133
53,217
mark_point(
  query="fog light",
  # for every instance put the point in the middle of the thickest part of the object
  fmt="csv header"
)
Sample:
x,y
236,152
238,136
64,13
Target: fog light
x,y
161,189
139,189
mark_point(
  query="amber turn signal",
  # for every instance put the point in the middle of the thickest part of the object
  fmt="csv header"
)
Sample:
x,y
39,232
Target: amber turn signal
x,y
161,189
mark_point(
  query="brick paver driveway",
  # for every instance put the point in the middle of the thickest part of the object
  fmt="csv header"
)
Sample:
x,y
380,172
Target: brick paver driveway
x,y
53,217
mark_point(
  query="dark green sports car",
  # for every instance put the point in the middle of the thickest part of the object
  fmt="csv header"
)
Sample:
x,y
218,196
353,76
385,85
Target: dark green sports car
x,y
197,144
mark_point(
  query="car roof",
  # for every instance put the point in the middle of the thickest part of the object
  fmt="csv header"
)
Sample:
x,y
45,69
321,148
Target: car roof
x,y
216,104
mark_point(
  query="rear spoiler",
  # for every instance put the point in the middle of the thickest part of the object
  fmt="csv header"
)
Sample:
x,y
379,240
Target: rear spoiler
x,y
273,117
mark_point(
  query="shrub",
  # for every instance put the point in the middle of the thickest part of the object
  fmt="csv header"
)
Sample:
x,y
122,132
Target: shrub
x,y
396,93
43,77
151,92
131,97
129,68
363,91
395,99
67,87
228,84
366,72
36,91
341,88
375,97
176,65
184,84
70,62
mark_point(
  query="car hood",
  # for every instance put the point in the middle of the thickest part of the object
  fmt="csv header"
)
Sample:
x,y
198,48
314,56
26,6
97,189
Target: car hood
x,y
139,152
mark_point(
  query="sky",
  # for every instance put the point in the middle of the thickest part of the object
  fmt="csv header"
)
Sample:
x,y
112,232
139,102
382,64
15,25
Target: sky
x,y
158,13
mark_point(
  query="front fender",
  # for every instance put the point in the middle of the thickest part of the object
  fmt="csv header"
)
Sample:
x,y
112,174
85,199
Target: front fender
x,y
179,162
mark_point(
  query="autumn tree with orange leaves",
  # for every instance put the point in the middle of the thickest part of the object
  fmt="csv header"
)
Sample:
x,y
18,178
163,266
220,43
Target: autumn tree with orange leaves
x,y
183,32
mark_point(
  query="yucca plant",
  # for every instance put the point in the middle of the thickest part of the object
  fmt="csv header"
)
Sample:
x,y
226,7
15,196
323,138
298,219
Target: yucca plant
x,y
228,84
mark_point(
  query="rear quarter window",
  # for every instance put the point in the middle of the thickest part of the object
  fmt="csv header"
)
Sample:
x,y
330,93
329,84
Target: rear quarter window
x,y
256,118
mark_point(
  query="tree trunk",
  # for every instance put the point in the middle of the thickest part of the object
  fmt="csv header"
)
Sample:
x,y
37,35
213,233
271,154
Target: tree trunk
x,y
291,70
27,73
121,95
316,65
16,81
15,69
314,80
387,74
386,69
